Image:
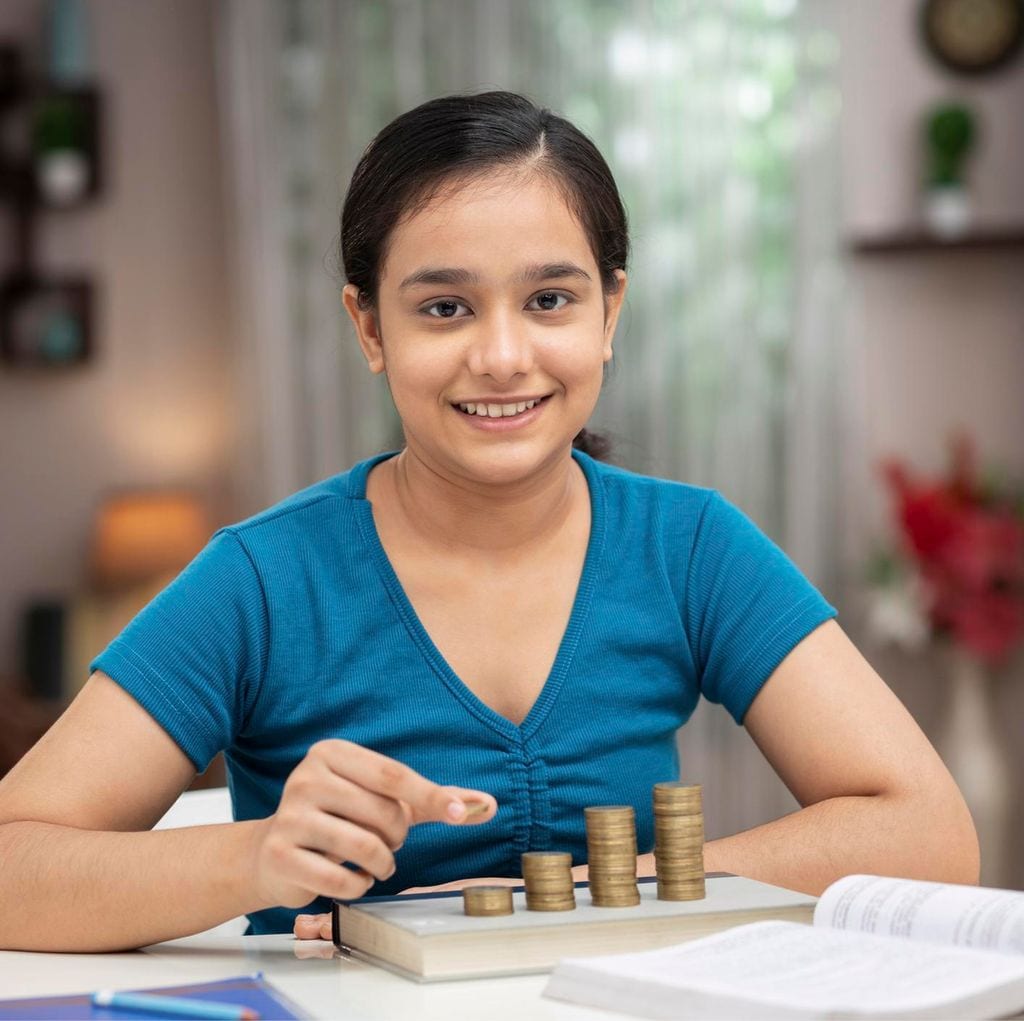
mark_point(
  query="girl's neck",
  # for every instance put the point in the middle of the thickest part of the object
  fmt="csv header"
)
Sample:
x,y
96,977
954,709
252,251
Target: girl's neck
x,y
448,513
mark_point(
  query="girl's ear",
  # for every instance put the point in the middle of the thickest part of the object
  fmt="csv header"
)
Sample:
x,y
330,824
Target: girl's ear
x,y
364,318
612,308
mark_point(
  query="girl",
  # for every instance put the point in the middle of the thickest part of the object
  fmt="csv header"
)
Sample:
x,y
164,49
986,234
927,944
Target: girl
x,y
431,663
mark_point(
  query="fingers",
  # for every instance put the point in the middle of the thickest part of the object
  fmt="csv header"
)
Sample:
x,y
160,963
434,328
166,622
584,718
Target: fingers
x,y
315,872
385,817
428,801
313,927
342,840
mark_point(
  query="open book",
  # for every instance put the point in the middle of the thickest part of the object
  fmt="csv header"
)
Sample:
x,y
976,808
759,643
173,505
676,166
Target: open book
x,y
894,948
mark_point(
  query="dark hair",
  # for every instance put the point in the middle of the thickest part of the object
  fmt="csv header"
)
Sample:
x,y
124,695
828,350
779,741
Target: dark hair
x,y
459,137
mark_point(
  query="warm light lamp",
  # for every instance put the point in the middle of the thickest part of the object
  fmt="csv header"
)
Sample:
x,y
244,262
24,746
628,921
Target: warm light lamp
x,y
140,536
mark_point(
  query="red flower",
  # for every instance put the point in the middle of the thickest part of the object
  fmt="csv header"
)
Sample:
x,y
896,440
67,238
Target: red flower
x,y
969,549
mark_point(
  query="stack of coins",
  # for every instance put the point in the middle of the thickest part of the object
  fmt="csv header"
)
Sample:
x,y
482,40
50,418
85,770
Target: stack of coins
x,y
487,900
548,879
679,841
611,855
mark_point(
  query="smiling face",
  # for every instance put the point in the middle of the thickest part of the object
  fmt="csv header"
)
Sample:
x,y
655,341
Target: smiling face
x,y
492,328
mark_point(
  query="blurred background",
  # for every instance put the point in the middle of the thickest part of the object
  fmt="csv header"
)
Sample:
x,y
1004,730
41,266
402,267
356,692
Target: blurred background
x,y
825,321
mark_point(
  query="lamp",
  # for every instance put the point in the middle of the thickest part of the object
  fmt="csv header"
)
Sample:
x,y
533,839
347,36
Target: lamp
x,y
141,535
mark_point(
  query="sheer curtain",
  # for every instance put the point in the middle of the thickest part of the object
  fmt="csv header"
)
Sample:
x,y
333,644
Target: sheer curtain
x,y
719,119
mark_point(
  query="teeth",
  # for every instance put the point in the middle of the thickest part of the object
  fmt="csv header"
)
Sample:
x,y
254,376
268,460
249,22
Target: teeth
x,y
498,410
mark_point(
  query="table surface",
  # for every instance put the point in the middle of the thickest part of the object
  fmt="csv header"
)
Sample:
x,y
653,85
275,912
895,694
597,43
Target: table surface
x,y
312,973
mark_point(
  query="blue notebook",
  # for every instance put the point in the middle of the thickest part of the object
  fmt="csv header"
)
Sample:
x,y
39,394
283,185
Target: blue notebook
x,y
252,991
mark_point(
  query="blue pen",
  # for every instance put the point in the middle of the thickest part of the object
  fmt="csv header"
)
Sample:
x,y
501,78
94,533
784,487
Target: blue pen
x,y
176,1005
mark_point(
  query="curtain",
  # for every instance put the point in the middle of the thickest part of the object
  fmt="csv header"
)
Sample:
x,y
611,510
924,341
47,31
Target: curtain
x,y
719,119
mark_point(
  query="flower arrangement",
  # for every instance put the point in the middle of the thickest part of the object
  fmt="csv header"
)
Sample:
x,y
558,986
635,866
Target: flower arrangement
x,y
961,560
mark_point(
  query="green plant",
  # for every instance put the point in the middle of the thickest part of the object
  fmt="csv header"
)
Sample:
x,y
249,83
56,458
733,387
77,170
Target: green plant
x,y
950,130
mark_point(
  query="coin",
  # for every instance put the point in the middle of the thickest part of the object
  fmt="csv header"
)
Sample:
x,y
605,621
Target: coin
x,y
487,900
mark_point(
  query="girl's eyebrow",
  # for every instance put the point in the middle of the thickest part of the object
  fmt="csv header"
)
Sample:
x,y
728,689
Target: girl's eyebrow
x,y
434,275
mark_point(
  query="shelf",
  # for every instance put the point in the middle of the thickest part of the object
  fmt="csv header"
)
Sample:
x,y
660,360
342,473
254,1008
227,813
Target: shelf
x,y
919,242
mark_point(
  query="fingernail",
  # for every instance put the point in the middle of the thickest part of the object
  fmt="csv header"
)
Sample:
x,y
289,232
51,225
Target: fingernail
x,y
456,810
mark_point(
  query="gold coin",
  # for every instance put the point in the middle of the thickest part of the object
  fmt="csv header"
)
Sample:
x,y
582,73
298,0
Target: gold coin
x,y
487,900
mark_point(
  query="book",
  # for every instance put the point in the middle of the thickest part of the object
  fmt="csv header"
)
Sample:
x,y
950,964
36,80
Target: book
x,y
878,947
429,937
252,991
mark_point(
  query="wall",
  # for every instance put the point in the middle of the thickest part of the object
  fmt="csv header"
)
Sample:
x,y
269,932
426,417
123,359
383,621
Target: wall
x,y
933,341
156,406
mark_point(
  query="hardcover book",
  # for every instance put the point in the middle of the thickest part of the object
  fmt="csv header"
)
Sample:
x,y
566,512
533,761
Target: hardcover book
x,y
429,937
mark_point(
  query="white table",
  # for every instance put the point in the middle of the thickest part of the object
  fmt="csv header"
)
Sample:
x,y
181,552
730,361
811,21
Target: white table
x,y
312,973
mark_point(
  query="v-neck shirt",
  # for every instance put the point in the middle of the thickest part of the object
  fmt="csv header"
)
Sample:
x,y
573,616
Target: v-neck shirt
x,y
292,627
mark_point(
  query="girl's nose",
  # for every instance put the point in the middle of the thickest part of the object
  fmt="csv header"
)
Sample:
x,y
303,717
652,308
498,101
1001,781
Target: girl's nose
x,y
501,348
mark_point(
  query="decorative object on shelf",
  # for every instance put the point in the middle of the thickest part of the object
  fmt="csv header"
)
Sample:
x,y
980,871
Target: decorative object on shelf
x,y
65,113
65,153
950,132
49,160
45,323
972,37
958,579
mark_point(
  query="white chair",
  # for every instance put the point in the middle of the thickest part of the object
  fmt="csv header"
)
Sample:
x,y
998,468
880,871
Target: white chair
x,y
204,808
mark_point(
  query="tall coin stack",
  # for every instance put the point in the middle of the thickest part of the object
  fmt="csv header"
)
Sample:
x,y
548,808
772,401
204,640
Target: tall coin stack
x,y
679,841
611,855
547,876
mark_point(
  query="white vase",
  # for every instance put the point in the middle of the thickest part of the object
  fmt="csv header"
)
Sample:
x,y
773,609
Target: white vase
x,y
970,745
947,211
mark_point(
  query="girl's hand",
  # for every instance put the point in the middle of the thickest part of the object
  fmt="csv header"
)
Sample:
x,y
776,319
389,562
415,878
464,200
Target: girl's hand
x,y
313,926
346,803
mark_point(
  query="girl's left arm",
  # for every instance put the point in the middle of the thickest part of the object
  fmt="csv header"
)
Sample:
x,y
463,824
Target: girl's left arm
x,y
876,796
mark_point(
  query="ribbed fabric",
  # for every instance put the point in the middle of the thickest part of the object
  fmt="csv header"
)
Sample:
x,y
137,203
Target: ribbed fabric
x,y
292,627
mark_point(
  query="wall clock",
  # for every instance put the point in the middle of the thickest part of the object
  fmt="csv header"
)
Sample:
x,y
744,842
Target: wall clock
x,y
973,36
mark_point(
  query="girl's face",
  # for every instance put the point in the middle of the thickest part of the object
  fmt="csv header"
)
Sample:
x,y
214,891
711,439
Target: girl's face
x,y
492,328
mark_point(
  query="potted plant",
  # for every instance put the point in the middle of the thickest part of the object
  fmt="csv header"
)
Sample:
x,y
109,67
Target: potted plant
x,y
950,132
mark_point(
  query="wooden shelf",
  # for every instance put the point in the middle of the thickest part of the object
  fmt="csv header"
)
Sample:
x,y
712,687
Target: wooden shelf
x,y
918,241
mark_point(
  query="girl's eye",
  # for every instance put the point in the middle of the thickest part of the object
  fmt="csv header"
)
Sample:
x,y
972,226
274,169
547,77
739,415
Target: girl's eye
x,y
447,308
550,301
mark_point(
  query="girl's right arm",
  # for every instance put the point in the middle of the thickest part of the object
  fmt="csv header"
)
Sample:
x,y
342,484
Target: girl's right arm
x,y
84,872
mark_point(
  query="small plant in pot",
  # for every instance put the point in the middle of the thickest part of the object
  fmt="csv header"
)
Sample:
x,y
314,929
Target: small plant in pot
x,y
950,132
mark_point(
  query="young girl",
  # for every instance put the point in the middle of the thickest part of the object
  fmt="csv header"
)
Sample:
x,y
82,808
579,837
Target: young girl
x,y
423,667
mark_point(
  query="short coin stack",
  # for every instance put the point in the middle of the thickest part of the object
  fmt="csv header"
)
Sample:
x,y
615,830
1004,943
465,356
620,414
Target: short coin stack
x,y
611,855
679,841
547,876
487,900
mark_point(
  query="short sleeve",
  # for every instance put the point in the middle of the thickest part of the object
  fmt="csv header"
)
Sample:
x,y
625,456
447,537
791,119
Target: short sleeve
x,y
747,606
193,657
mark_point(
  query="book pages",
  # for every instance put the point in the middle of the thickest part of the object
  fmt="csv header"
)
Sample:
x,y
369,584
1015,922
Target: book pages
x,y
968,916
780,969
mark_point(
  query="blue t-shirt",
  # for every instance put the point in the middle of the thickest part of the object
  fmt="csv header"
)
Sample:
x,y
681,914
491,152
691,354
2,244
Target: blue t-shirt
x,y
292,627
